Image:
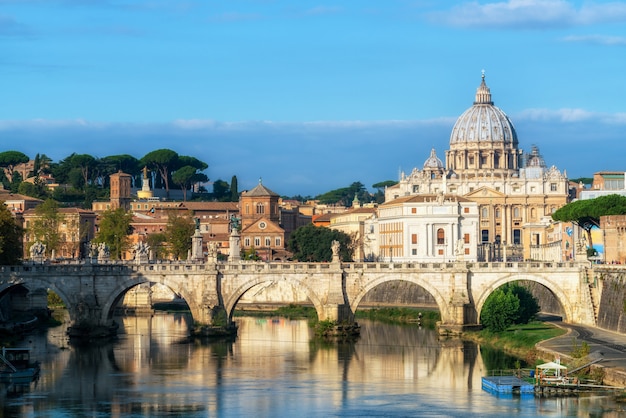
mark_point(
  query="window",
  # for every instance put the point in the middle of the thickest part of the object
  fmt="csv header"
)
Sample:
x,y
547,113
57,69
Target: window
x,y
440,252
268,242
497,212
471,160
516,212
416,189
484,235
247,209
246,242
467,251
485,213
465,210
413,210
277,242
533,213
257,242
414,251
413,238
466,238
260,208
517,236
553,187
441,236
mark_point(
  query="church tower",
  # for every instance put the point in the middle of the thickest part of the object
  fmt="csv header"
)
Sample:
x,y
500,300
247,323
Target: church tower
x,y
120,190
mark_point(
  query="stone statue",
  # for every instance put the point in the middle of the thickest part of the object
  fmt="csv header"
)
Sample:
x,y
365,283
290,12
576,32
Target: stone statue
x,y
37,250
103,251
197,221
212,249
141,249
335,247
441,198
460,247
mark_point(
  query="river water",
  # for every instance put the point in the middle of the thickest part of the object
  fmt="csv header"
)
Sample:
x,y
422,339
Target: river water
x,y
273,369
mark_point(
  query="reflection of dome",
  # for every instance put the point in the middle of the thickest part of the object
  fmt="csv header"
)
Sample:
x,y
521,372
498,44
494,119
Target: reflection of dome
x,y
483,123
433,162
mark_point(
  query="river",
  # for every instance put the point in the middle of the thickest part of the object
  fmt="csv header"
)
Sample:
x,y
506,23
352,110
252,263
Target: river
x,y
273,369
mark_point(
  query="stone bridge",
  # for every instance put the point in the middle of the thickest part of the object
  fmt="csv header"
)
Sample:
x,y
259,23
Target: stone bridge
x,y
460,289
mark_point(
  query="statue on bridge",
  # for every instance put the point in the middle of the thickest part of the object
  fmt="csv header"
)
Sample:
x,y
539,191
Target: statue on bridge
x,y
103,252
235,223
37,251
335,246
142,251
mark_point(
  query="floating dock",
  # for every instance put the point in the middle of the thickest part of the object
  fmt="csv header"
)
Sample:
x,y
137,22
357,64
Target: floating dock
x,y
507,384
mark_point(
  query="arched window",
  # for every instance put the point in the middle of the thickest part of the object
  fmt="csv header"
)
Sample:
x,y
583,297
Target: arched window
x,y
441,236
260,208
497,213
485,213
516,212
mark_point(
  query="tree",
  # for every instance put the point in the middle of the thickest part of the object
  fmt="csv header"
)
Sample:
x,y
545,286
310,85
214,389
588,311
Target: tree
x,y
10,159
528,305
312,243
114,228
184,178
220,190
380,187
11,234
157,242
587,213
234,189
45,228
345,195
179,231
500,310
163,161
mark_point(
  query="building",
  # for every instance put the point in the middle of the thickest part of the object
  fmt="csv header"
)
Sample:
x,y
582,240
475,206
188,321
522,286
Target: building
x,y
485,165
75,229
427,227
353,222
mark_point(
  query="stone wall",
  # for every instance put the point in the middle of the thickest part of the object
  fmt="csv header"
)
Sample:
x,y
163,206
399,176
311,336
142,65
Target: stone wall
x,y
612,289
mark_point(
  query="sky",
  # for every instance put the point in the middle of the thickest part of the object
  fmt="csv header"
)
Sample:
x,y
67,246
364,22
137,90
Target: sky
x,y
310,96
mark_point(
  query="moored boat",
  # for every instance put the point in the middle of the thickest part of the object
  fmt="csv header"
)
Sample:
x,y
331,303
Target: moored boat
x,y
16,365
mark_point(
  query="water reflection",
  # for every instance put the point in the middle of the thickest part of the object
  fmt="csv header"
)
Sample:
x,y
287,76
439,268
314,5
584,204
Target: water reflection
x,y
274,368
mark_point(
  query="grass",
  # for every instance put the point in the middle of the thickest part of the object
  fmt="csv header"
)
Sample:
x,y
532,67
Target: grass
x,y
399,315
519,340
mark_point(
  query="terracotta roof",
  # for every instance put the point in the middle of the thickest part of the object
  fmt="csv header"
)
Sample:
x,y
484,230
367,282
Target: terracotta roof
x,y
425,198
214,206
260,190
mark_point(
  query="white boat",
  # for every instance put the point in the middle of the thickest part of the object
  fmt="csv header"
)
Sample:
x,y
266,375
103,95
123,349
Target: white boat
x,y
15,365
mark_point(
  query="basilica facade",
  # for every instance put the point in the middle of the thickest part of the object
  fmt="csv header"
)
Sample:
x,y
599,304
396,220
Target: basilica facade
x,y
512,189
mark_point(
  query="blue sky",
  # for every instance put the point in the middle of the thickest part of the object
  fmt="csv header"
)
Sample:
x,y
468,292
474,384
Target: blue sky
x,y
310,95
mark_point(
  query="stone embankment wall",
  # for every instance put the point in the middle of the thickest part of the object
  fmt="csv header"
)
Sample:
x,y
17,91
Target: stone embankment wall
x,y
611,286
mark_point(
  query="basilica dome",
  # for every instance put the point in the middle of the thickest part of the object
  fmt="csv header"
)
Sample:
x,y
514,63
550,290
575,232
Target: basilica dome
x,y
483,123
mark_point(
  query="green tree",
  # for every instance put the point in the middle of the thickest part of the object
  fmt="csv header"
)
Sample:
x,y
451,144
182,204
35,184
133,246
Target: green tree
x,y
158,244
11,234
500,310
114,228
37,189
10,159
45,227
528,305
345,196
164,161
380,187
586,213
234,189
312,243
179,231
220,190
186,176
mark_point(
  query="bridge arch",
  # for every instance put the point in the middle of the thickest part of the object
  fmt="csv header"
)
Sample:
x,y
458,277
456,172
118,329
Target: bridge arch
x,y
412,278
44,283
301,284
552,286
118,292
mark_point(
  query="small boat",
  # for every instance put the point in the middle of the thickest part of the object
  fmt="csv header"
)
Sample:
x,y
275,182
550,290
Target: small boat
x,y
15,365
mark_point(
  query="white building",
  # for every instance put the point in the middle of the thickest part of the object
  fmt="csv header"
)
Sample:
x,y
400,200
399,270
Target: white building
x,y
485,165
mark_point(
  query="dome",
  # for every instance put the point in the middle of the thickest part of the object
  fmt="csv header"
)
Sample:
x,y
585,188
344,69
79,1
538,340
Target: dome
x,y
483,123
433,162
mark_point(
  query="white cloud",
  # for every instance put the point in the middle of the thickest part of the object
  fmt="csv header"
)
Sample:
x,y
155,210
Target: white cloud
x,y
571,116
597,39
530,14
